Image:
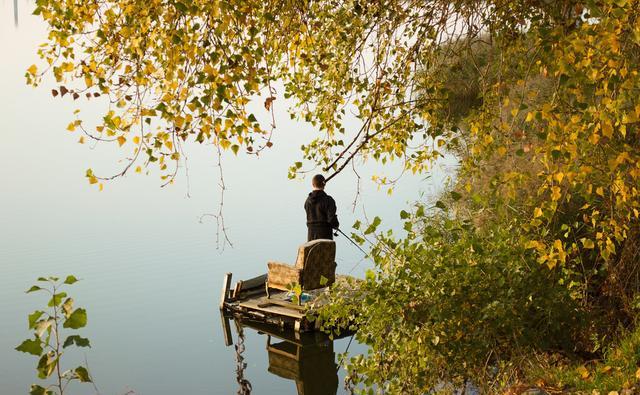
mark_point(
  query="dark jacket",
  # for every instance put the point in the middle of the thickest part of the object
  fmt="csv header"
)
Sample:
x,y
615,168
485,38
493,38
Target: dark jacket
x,y
321,215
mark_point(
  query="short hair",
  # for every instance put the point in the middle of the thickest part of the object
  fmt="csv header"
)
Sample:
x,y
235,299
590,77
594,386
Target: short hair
x,y
318,181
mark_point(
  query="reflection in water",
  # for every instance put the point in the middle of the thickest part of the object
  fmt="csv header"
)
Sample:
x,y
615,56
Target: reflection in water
x,y
15,12
241,365
306,358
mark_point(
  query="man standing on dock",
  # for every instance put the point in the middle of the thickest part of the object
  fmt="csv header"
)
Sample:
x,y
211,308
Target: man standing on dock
x,y
321,211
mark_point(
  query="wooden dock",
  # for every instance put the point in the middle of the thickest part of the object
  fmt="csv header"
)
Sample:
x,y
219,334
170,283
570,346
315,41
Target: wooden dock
x,y
248,299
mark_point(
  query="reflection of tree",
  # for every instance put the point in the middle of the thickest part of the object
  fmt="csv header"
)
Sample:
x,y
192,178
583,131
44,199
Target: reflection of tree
x,y
244,384
15,12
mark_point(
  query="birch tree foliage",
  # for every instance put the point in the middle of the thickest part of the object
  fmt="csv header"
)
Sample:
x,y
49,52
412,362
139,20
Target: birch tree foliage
x,y
180,71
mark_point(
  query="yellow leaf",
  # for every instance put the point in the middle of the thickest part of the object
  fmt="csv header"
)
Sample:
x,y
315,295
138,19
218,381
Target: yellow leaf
x,y
600,191
93,180
502,151
81,140
537,212
225,143
33,69
555,193
533,244
71,127
101,187
557,244
121,140
606,369
529,117
638,374
558,176
138,169
607,129
136,140
583,372
587,243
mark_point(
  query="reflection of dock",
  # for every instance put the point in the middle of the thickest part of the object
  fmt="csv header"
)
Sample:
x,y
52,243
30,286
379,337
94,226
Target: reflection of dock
x,y
249,300
15,12
306,358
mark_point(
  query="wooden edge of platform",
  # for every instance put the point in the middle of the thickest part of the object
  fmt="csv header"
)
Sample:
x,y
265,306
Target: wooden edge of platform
x,y
226,284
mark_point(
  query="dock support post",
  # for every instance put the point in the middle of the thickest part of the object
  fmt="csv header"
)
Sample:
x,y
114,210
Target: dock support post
x,y
226,284
226,329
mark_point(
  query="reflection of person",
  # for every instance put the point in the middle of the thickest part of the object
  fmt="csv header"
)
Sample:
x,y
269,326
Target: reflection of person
x,y
321,211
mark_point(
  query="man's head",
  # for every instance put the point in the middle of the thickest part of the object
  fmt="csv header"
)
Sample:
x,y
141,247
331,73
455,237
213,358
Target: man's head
x,y
318,181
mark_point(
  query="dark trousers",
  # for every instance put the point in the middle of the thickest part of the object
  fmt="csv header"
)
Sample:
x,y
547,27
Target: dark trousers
x,y
319,232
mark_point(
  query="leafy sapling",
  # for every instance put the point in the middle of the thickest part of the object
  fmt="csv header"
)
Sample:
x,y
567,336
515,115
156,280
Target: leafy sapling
x,y
48,344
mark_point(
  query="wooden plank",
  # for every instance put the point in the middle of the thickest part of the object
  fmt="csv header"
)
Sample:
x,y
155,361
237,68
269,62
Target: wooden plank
x,y
283,303
237,289
226,330
254,282
254,304
226,284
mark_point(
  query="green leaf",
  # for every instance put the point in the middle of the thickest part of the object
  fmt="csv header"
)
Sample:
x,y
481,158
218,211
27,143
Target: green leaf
x,y
31,346
56,299
356,225
404,214
77,319
82,374
370,275
408,226
373,226
181,7
33,289
455,196
38,390
33,317
46,365
441,205
70,280
77,340
323,280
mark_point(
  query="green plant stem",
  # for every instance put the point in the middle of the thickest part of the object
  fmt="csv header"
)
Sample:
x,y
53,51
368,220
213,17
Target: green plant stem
x,y
55,321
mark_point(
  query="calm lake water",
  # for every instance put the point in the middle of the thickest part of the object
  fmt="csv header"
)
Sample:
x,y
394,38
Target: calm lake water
x,y
151,273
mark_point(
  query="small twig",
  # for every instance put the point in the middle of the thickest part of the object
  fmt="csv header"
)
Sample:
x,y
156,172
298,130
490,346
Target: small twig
x,y
221,228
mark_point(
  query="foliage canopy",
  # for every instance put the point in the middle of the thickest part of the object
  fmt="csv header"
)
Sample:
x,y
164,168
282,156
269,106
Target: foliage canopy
x,y
539,97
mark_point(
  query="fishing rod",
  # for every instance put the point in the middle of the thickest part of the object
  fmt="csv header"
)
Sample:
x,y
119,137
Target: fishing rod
x,y
352,242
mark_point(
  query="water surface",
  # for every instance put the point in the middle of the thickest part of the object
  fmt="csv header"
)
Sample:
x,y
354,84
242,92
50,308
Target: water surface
x,y
151,273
